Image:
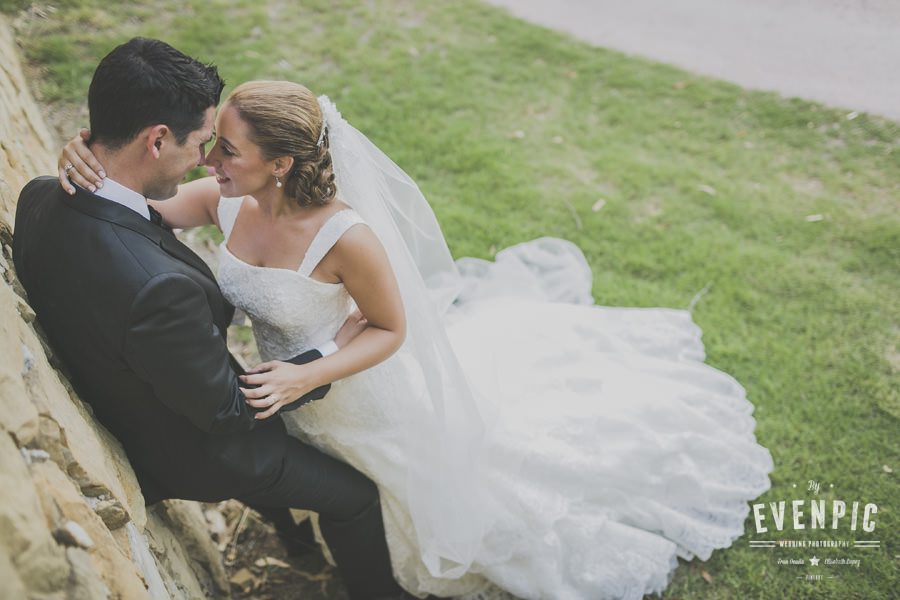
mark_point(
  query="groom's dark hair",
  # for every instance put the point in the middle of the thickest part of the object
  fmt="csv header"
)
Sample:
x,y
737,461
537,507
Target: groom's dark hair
x,y
146,82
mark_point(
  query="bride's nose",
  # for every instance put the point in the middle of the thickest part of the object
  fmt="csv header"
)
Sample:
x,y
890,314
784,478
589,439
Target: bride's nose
x,y
210,159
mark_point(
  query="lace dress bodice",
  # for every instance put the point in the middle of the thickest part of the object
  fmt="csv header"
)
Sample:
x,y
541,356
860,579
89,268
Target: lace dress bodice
x,y
290,311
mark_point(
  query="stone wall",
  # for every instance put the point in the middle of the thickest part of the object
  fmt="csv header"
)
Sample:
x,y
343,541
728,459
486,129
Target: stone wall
x,y
72,518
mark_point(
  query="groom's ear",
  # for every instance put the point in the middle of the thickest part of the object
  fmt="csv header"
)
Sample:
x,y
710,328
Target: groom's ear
x,y
154,137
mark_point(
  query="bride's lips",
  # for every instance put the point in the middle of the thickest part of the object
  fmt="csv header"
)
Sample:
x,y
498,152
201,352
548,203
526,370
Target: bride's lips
x,y
219,178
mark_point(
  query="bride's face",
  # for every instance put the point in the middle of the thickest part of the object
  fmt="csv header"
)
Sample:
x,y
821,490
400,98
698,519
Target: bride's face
x,y
239,164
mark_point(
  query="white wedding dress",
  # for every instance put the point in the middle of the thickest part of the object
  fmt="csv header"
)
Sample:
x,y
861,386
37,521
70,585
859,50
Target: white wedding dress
x,y
621,450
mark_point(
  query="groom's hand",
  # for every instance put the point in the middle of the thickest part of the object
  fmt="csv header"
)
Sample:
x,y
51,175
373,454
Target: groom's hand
x,y
355,324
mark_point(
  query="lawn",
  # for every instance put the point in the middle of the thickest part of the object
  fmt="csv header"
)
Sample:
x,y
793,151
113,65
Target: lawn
x,y
784,211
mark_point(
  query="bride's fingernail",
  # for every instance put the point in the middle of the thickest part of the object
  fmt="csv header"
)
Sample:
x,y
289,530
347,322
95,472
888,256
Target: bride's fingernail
x,y
102,174
92,188
99,184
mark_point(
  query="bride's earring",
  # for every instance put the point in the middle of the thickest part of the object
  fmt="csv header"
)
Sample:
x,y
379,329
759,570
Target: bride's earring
x,y
277,182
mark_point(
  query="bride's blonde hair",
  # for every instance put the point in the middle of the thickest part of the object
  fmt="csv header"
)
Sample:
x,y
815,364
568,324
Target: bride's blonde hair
x,y
285,120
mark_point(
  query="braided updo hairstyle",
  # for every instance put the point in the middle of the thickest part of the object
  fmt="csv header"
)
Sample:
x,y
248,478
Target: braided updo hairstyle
x,y
284,119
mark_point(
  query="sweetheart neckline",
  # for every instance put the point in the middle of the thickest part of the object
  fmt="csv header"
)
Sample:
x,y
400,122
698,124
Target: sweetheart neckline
x,y
224,247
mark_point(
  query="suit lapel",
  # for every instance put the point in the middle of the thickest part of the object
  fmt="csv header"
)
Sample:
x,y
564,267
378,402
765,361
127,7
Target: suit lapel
x,y
222,308
173,246
107,210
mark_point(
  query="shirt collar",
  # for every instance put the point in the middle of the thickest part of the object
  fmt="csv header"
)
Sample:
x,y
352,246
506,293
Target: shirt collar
x,y
116,192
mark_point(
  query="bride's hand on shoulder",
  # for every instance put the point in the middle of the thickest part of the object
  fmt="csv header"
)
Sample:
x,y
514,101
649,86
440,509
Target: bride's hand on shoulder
x,y
280,383
77,164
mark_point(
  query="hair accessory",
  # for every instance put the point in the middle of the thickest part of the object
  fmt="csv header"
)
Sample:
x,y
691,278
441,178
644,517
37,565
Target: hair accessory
x,y
322,133
323,106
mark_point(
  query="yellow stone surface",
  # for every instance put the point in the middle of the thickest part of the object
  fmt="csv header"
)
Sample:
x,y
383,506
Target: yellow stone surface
x,y
58,465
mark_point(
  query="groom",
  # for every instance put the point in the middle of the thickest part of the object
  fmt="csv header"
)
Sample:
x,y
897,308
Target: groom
x,y
140,323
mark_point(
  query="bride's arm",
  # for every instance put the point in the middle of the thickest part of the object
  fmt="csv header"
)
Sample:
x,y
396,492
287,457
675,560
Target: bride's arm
x,y
193,205
366,272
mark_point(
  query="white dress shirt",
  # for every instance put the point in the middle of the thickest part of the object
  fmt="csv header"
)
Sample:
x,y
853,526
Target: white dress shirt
x,y
116,192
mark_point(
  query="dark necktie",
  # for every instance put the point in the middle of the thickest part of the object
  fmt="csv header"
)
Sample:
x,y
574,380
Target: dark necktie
x,y
155,217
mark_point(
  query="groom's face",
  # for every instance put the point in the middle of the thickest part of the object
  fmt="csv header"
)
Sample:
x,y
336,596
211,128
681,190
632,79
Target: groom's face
x,y
176,160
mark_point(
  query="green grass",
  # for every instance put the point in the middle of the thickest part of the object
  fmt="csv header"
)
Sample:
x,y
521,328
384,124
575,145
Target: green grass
x,y
515,132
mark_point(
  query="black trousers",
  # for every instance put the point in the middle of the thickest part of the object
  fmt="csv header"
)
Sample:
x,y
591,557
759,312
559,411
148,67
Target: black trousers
x,y
349,516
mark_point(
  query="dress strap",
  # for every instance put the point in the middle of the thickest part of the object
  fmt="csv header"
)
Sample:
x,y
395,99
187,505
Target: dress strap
x,y
327,236
227,210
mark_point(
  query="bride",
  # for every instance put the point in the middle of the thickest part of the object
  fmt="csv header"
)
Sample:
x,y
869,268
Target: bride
x,y
524,441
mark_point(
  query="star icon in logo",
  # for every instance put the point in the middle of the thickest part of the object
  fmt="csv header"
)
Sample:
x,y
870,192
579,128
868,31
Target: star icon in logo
x,y
814,561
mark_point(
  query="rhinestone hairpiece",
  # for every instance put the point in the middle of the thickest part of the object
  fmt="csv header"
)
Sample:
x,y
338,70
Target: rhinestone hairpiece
x,y
322,133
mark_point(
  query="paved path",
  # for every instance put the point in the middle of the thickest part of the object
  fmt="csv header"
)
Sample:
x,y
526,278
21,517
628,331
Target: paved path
x,y
844,53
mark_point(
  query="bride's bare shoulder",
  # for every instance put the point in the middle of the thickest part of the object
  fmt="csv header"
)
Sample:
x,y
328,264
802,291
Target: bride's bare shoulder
x,y
338,205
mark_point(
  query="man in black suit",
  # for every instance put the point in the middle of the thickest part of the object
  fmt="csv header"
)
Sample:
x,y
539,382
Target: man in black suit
x,y
139,321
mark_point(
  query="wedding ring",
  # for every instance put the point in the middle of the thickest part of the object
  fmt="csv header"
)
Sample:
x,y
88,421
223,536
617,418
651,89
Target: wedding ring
x,y
68,167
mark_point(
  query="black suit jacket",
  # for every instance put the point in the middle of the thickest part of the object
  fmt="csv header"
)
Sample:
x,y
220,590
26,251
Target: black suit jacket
x,y
140,322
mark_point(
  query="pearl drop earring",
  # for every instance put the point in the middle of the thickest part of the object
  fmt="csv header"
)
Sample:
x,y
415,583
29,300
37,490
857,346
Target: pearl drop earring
x,y
277,182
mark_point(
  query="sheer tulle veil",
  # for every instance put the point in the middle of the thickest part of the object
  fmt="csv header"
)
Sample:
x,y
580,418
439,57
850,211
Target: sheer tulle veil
x,y
448,427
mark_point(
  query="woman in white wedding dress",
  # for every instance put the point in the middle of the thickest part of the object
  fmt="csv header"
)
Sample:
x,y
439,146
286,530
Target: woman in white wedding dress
x,y
524,441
